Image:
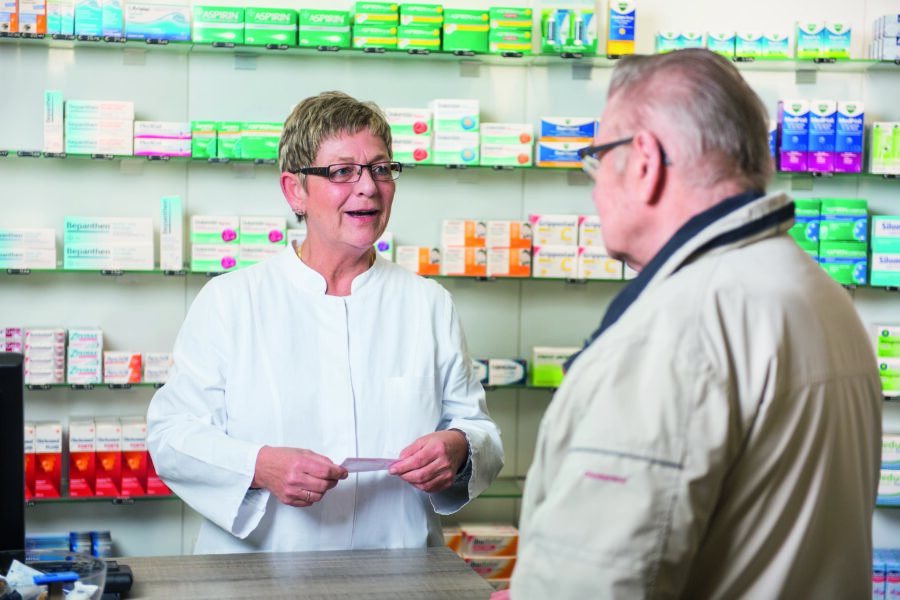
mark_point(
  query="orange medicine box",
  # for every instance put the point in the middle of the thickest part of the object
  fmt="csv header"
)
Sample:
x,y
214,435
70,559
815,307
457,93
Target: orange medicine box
x,y
420,259
109,457
82,457
134,456
509,234
48,459
492,567
457,232
452,537
29,460
509,262
468,262
489,540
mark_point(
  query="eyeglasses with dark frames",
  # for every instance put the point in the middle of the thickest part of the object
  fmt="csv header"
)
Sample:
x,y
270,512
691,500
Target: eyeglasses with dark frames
x,y
351,172
592,155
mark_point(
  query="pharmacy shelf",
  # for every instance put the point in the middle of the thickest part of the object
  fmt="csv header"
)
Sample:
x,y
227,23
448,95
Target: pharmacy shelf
x,y
854,65
44,387
99,500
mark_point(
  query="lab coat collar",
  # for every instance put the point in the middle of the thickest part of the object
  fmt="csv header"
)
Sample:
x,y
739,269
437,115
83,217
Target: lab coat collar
x,y
313,282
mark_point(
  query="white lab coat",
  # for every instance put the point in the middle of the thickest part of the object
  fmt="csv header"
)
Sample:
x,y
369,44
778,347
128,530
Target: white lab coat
x,y
264,357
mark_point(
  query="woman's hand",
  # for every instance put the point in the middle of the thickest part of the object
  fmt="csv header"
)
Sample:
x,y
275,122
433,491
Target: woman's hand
x,y
431,462
297,477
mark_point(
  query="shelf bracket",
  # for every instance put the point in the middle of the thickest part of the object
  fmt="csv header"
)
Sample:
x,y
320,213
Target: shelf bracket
x,y
582,70
805,76
470,68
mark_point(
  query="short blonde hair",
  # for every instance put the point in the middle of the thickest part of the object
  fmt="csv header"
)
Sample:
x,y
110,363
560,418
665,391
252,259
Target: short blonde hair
x,y
323,117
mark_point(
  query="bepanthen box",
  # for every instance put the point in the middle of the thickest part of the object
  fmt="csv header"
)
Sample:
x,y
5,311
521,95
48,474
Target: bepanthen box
x,y
82,457
48,459
464,261
793,119
109,457
29,459
134,456
461,232
420,259
848,139
554,230
822,130
53,121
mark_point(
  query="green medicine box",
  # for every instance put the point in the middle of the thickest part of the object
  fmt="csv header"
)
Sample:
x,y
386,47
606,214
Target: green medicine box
x,y
270,26
510,18
421,14
886,234
323,28
570,31
806,221
203,139
228,134
846,262
465,30
218,24
889,369
509,40
888,342
419,37
844,220
259,140
376,13
374,36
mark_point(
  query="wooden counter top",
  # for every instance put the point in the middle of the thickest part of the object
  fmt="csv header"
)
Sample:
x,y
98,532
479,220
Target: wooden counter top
x,y
389,574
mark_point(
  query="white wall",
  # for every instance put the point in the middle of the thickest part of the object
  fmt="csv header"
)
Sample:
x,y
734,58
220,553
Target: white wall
x,y
502,318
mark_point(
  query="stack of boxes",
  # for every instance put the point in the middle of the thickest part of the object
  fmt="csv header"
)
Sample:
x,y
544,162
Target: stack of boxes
x,y
561,138
420,27
258,140
507,144
122,368
204,139
489,549
45,356
215,243
889,484
12,339
261,237
108,243
885,251
818,40
885,148
323,28
47,473
464,248
555,246
886,38
510,30
843,239
375,25
465,30
593,260
456,138
821,136
99,127
157,366
509,246
411,138
669,41
422,260
885,573
887,352
161,138
27,249
805,230
84,357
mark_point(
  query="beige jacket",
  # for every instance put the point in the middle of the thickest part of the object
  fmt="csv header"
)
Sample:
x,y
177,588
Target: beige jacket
x,y
721,440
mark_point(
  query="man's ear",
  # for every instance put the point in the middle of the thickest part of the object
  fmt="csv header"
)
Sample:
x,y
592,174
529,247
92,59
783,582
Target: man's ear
x,y
647,167
294,193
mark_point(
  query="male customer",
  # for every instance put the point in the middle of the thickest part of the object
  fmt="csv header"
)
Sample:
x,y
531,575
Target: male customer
x,y
720,436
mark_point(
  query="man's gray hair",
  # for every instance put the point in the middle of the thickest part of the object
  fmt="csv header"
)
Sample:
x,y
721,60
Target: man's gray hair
x,y
721,123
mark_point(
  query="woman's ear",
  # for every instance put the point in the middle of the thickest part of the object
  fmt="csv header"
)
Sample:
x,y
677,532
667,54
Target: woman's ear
x,y
294,193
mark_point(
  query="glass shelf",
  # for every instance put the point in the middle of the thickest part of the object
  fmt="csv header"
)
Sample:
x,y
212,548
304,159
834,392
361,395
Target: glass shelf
x,y
99,500
854,65
505,488
80,387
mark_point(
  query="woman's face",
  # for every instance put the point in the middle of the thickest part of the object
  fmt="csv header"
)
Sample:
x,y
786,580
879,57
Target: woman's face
x,y
346,217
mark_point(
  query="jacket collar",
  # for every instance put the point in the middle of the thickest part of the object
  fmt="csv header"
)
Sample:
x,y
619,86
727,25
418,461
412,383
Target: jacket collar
x,y
312,281
733,222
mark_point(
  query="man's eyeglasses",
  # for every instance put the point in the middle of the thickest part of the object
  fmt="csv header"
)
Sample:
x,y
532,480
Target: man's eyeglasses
x,y
351,172
592,155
